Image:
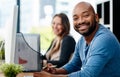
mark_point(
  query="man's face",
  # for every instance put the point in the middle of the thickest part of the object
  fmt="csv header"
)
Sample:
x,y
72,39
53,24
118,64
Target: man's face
x,y
84,20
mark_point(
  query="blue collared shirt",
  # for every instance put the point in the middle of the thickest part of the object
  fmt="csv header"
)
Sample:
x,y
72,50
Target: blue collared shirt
x,y
102,59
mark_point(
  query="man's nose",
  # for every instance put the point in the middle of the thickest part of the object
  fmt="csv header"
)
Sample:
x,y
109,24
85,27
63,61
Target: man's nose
x,y
81,20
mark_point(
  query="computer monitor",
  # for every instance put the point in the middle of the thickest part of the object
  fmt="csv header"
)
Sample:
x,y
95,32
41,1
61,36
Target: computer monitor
x,y
10,37
21,48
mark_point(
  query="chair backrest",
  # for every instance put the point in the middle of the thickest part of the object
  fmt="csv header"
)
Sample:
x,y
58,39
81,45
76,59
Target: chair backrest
x,y
27,52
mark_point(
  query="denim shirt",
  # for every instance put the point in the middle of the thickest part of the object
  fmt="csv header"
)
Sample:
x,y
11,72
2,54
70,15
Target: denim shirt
x,y
102,59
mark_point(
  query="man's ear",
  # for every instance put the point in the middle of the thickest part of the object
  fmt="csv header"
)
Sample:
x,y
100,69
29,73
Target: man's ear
x,y
97,18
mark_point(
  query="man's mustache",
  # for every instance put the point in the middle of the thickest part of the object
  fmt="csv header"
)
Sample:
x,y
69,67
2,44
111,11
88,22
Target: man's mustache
x,y
82,24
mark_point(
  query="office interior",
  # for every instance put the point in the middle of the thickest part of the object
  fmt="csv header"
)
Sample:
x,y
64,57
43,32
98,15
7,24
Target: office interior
x,y
34,17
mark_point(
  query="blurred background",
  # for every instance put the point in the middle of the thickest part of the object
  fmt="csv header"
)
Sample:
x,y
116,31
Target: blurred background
x,y
35,16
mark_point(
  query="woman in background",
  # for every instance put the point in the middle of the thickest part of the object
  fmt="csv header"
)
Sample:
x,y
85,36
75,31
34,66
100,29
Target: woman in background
x,y
62,45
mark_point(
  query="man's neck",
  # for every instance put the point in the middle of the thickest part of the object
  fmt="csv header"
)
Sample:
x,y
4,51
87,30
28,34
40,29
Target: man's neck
x,y
90,37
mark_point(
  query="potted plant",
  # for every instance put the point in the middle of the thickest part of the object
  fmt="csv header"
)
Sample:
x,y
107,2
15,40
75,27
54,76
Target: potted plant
x,y
11,70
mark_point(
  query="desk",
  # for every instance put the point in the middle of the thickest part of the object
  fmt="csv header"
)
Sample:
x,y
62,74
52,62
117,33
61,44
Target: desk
x,y
20,74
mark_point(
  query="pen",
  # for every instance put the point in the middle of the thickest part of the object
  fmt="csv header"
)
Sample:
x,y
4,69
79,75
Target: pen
x,y
53,66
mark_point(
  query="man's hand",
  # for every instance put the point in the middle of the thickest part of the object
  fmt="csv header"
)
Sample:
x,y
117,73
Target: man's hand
x,y
50,68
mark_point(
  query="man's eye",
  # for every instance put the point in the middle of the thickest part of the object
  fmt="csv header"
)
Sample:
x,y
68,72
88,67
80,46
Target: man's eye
x,y
86,15
75,19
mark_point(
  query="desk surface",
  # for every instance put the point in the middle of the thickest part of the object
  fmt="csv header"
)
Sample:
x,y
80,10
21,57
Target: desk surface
x,y
30,74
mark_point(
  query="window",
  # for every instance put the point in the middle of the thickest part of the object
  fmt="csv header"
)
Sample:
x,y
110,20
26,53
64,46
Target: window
x,y
5,15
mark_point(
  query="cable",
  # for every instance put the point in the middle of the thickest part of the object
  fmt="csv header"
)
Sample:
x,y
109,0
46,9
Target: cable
x,y
28,44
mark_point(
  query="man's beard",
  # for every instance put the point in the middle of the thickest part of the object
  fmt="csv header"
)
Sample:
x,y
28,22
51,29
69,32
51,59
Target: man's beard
x,y
90,30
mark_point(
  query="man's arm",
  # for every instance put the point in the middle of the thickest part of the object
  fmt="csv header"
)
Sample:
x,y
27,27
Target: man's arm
x,y
46,74
61,71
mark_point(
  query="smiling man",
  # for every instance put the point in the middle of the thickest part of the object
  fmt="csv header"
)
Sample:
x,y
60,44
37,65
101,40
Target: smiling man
x,y
97,53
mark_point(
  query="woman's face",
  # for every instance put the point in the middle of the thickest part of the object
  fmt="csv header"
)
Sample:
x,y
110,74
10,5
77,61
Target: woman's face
x,y
57,26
